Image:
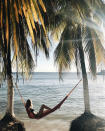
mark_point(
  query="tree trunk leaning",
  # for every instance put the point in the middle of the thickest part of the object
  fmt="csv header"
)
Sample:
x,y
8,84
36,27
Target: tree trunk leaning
x,y
10,95
85,81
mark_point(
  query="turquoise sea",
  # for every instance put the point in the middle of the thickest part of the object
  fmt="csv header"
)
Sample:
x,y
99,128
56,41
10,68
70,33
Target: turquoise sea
x,y
45,88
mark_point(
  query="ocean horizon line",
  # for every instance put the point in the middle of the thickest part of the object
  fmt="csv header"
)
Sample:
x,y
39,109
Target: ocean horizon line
x,y
47,72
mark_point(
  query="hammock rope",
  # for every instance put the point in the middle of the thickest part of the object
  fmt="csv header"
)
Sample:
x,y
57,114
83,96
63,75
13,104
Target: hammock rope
x,y
23,101
74,88
54,108
62,101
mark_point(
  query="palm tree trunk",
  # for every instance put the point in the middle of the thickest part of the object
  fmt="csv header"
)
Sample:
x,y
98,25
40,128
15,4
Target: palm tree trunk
x,y
10,94
86,94
85,80
7,59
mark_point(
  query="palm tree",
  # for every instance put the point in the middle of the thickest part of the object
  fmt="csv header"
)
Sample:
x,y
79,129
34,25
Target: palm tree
x,y
78,39
18,19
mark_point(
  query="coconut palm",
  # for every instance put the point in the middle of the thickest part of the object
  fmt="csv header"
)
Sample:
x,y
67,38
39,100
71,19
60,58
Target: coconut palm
x,y
78,39
19,19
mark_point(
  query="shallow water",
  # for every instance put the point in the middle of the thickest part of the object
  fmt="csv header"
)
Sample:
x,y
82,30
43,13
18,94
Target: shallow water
x,y
45,88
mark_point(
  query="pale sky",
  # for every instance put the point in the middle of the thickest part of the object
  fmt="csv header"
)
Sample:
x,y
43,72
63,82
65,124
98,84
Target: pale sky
x,y
47,65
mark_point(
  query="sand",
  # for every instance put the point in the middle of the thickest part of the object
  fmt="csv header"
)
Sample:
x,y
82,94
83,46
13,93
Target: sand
x,y
47,125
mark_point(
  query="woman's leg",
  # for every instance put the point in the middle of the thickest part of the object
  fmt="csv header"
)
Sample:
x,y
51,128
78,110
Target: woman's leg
x,y
42,108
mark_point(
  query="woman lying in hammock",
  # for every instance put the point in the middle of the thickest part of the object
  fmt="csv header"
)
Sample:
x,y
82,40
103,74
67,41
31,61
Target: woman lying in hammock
x,y
42,112
32,114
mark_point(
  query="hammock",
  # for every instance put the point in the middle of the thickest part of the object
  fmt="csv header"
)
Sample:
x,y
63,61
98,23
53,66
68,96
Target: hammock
x,y
46,112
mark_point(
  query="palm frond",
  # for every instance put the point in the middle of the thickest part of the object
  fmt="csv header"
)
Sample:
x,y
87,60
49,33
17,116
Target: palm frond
x,y
42,5
64,52
34,11
24,57
99,49
89,49
17,19
77,61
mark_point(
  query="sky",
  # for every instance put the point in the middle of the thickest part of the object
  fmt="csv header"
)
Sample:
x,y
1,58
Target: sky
x,y
48,65
45,65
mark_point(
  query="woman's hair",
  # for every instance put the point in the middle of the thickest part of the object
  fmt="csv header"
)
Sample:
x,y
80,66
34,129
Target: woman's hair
x,y
28,103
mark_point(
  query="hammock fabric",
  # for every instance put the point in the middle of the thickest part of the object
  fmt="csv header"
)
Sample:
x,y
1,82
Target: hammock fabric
x,y
46,112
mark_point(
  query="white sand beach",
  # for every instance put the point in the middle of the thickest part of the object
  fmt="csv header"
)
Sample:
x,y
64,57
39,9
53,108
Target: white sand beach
x,y
47,125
